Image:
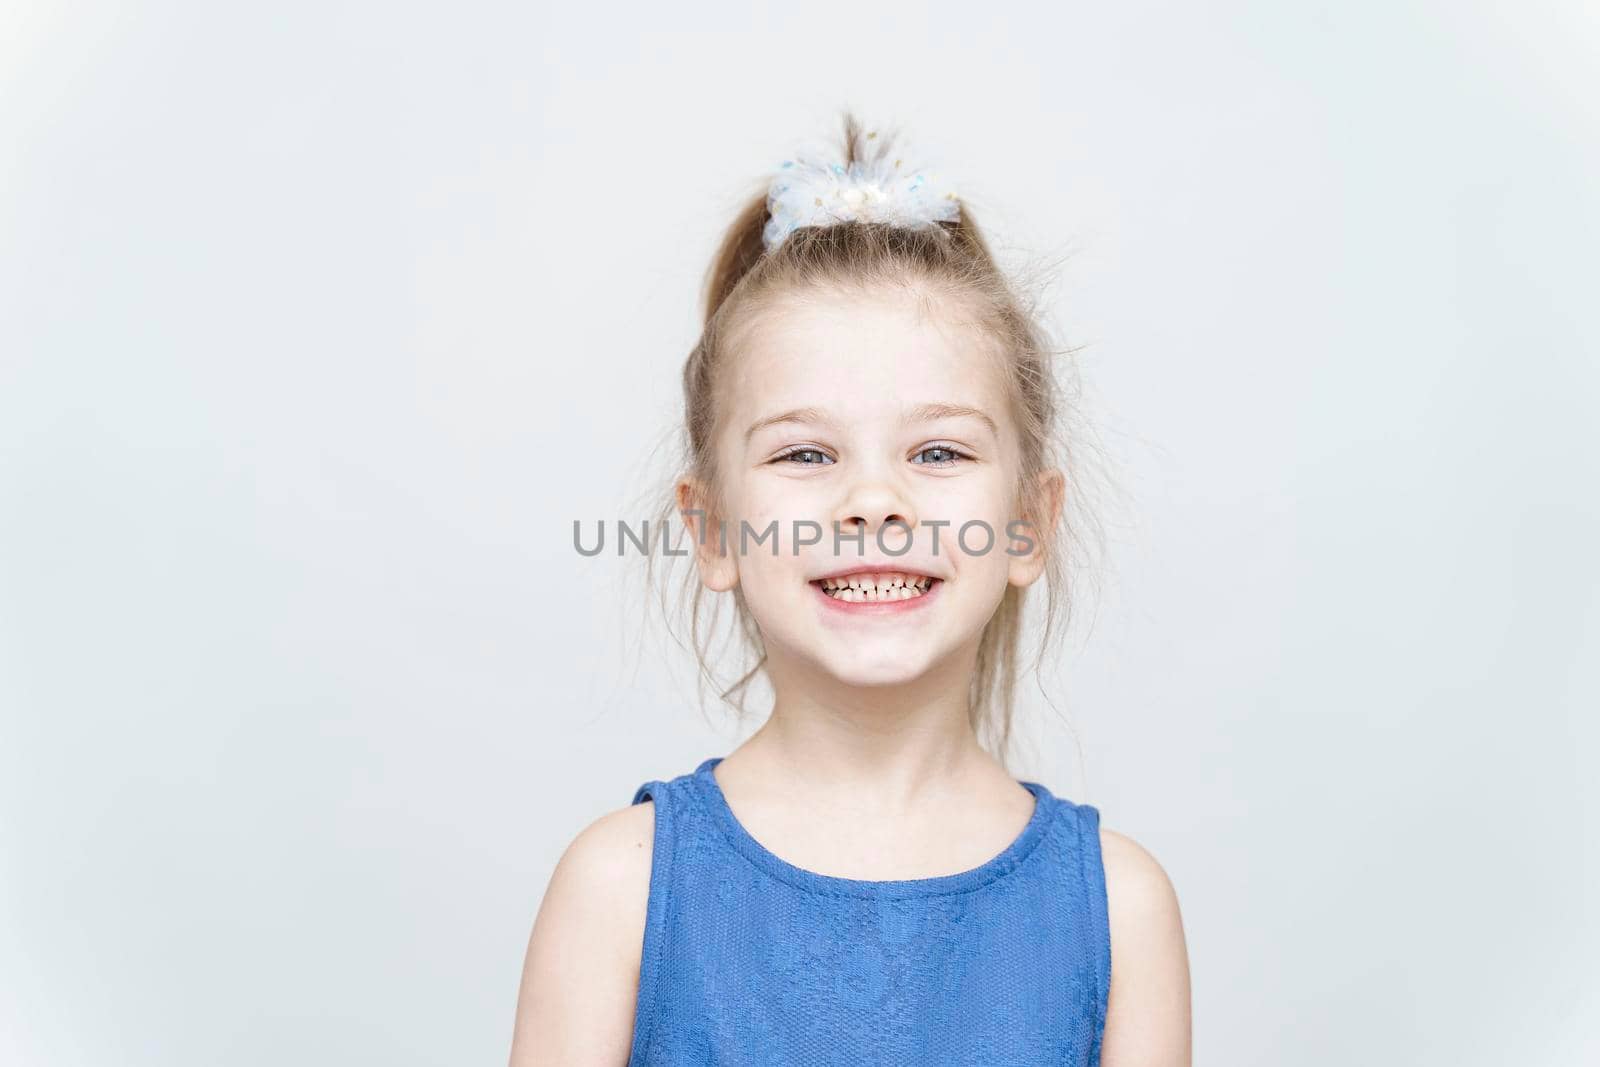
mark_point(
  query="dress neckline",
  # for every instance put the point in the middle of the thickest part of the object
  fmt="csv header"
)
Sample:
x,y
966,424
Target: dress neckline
x,y
1007,860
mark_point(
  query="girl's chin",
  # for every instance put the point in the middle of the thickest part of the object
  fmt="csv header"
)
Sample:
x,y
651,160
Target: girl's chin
x,y
874,683
864,671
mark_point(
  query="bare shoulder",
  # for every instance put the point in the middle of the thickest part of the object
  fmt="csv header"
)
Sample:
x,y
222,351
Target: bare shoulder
x,y
1147,1017
580,978
1134,876
609,855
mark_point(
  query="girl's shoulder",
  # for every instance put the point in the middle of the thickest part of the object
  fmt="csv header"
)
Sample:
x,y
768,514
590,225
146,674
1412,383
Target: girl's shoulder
x,y
582,966
1138,868
1149,1016
614,851
1138,890
615,846
607,865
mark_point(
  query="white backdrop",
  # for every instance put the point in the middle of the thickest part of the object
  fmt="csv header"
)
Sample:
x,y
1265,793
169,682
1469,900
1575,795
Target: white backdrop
x,y
321,323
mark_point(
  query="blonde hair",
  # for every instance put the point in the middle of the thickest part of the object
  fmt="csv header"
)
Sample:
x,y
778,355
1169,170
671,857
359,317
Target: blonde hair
x,y
949,263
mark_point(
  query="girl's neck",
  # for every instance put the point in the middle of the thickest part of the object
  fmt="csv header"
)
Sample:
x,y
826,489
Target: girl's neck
x,y
886,748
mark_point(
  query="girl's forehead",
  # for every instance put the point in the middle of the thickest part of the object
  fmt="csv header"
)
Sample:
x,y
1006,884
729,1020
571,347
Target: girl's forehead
x,y
828,343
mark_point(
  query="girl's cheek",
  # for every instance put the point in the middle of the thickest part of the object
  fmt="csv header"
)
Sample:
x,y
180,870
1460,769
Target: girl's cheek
x,y
782,509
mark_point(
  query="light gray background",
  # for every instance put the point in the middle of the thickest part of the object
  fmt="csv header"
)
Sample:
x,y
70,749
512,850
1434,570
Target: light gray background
x,y
319,324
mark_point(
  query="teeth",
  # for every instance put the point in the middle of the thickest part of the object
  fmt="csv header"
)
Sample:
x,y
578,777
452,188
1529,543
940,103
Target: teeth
x,y
867,588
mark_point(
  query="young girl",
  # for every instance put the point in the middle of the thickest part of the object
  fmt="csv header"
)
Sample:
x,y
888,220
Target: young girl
x,y
869,416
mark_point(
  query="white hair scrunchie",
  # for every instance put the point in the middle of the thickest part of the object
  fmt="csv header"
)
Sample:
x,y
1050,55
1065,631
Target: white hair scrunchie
x,y
813,192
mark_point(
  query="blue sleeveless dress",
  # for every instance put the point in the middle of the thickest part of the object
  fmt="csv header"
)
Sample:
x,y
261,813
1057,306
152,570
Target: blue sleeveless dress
x,y
748,959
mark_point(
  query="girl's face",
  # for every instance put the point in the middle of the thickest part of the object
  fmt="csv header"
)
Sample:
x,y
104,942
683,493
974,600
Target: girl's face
x,y
859,411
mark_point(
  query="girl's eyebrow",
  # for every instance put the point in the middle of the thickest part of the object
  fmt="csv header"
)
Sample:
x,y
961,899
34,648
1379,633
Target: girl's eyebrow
x,y
929,412
919,413
812,415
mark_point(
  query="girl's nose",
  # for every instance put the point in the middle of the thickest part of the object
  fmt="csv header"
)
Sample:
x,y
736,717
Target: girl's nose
x,y
871,508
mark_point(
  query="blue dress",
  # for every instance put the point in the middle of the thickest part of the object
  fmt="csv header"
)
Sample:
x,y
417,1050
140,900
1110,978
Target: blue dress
x,y
748,959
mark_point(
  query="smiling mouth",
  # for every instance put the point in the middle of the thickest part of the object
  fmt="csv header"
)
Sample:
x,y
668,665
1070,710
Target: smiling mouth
x,y
876,588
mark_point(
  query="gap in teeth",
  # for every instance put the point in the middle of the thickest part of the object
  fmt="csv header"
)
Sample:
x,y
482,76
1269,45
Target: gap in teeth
x,y
857,588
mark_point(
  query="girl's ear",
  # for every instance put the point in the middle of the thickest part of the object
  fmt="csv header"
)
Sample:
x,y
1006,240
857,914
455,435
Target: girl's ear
x,y
701,519
1043,511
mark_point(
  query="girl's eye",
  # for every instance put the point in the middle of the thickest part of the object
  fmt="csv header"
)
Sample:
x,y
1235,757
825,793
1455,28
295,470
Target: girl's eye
x,y
945,456
802,451
944,450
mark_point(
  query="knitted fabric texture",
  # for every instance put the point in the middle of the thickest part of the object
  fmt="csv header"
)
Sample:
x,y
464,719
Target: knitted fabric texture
x,y
748,959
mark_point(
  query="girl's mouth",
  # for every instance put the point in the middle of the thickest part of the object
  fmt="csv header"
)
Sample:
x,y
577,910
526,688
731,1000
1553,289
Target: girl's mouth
x,y
877,593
